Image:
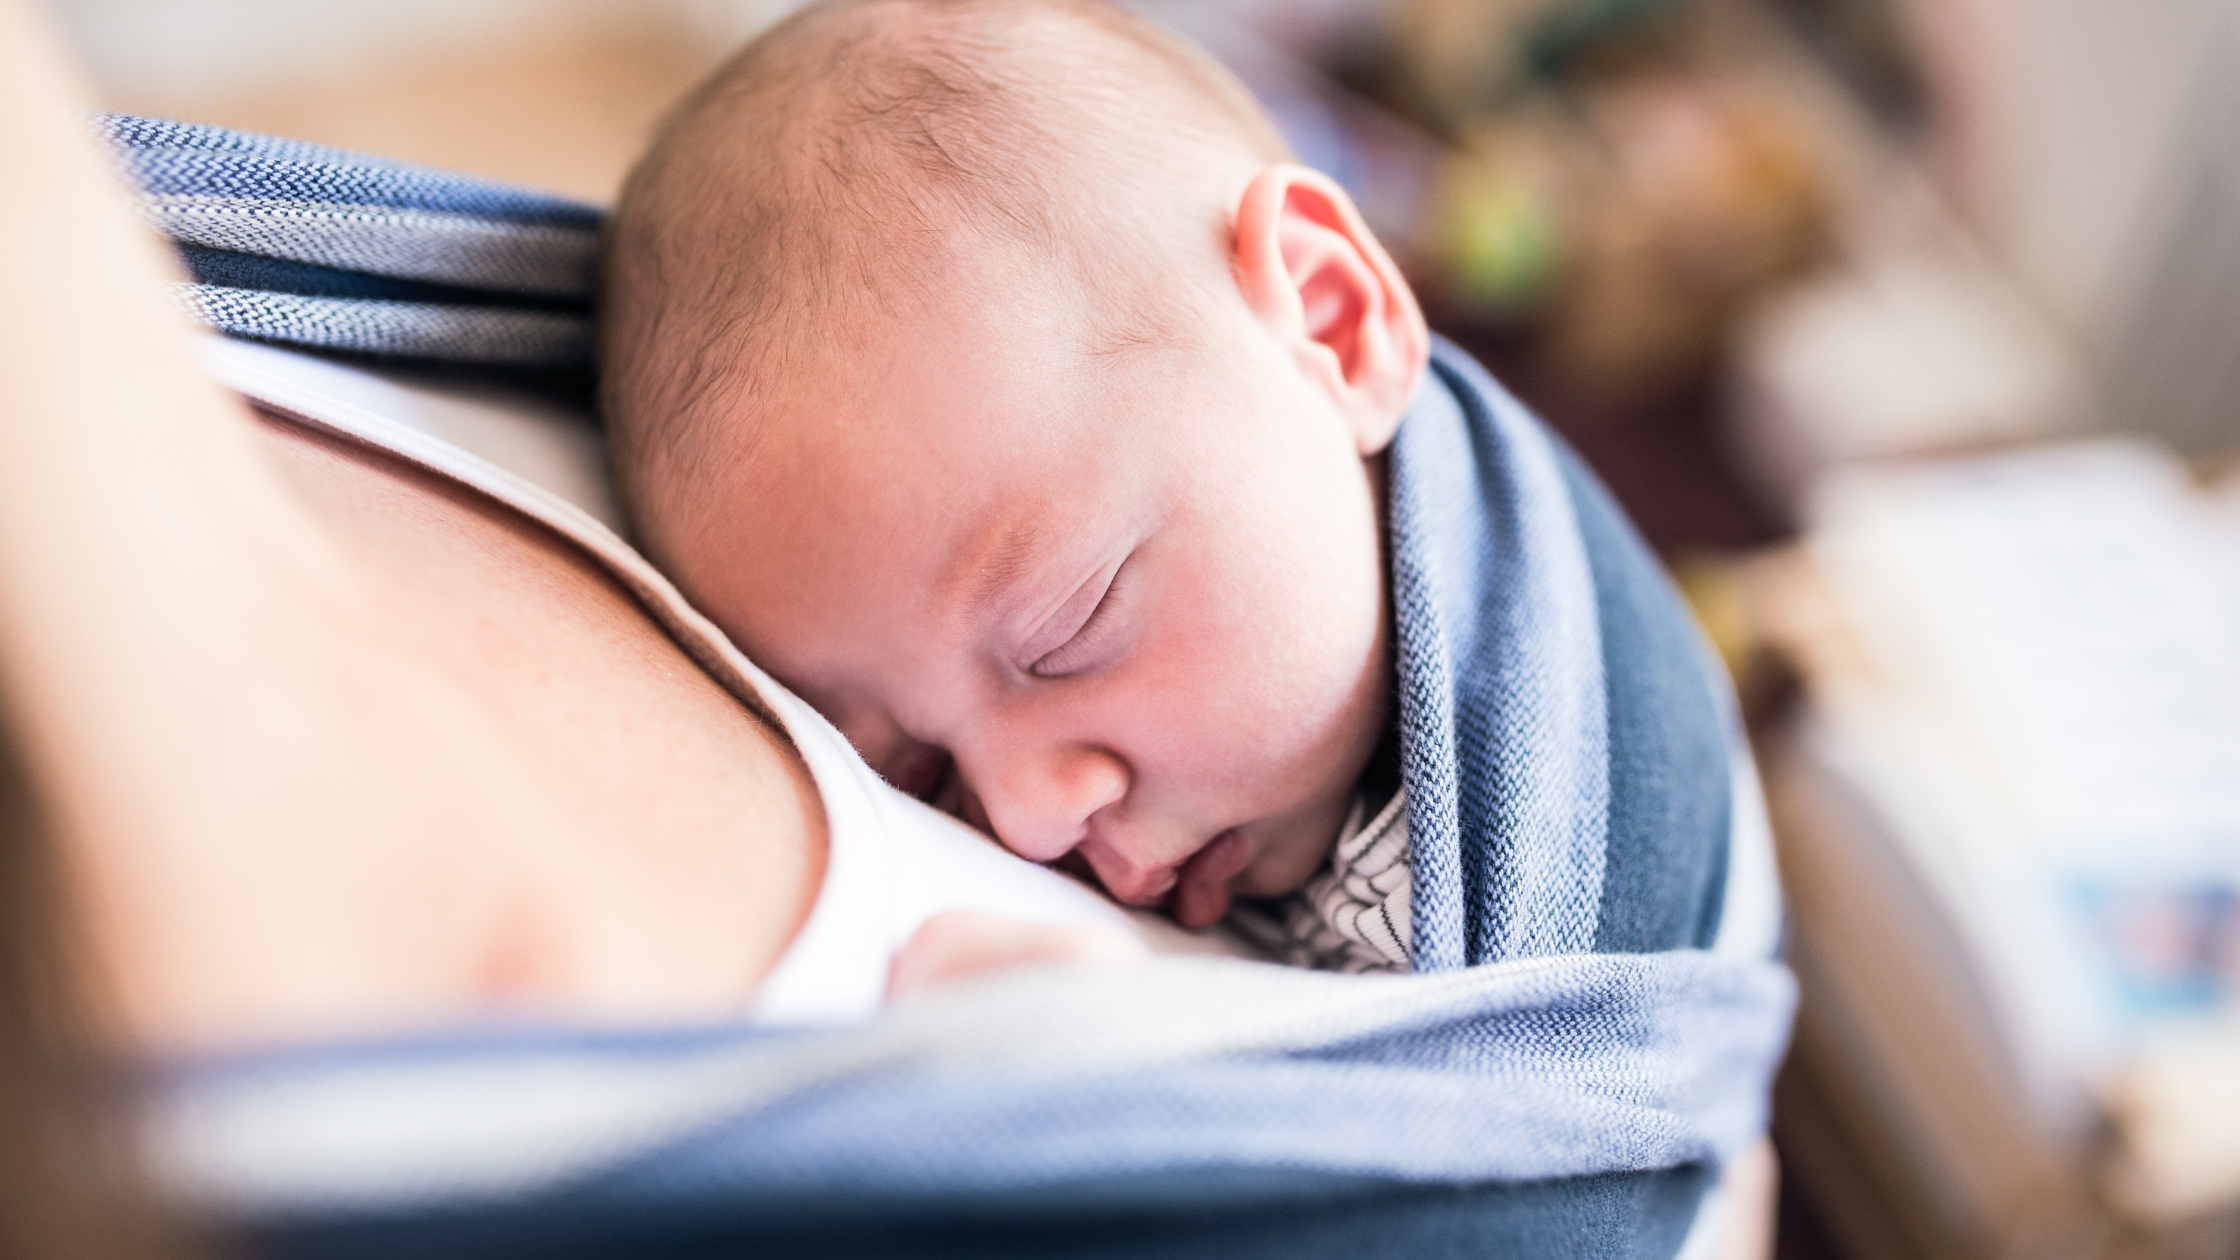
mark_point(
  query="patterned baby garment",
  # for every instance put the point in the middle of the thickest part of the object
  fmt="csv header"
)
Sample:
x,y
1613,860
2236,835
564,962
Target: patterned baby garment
x,y
1353,916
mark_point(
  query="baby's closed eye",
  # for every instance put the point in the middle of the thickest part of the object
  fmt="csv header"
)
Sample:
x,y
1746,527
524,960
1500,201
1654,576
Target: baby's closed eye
x,y
1089,627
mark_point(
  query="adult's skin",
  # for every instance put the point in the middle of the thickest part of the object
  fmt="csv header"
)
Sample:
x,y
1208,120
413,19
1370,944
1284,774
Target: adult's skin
x,y
330,745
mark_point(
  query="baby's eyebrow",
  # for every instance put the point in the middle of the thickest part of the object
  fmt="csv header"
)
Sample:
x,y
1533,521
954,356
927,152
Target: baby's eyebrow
x,y
999,554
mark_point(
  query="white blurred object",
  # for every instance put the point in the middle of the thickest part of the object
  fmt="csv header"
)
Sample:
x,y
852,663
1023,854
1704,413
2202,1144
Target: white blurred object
x,y
2071,617
1905,353
2010,823
2096,147
2065,257
540,440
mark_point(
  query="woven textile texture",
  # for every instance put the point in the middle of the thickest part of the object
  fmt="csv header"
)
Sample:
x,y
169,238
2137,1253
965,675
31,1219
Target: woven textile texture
x,y
304,245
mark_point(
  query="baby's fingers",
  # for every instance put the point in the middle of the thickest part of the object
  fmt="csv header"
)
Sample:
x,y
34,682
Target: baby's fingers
x,y
960,943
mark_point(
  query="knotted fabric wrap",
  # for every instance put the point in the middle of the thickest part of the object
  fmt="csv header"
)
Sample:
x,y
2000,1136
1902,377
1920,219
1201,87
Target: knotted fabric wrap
x,y
310,246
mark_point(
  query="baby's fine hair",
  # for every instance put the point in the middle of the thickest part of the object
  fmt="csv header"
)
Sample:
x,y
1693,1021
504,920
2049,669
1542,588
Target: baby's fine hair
x,y
818,175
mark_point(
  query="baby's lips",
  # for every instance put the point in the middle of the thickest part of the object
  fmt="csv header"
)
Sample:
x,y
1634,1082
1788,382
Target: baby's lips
x,y
1201,894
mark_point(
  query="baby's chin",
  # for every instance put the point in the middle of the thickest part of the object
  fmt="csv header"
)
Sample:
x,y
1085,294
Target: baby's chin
x,y
1285,863
1279,874
1233,864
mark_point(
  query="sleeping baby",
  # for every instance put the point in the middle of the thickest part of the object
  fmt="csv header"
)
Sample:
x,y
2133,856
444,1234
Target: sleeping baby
x,y
988,371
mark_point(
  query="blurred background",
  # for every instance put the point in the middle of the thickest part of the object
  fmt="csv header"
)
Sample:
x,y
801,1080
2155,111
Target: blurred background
x,y
1905,329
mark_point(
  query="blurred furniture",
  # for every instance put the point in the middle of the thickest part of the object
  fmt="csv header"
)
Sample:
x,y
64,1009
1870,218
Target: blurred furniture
x,y
2008,806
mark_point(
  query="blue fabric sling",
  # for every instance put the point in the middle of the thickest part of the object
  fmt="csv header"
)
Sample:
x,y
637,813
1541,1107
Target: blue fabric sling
x,y
1590,1031
309,246
1566,742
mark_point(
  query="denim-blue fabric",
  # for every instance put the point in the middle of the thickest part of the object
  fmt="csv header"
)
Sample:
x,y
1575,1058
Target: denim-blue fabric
x,y
1565,744
362,254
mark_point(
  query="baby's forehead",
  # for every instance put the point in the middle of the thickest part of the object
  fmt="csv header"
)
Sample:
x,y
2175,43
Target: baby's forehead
x,y
991,322
955,482
985,386
921,431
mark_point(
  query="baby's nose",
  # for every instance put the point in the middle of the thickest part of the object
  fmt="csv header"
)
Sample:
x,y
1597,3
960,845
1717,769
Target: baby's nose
x,y
1040,805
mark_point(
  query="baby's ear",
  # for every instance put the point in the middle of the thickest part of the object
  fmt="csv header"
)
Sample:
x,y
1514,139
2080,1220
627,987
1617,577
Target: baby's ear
x,y
1317,278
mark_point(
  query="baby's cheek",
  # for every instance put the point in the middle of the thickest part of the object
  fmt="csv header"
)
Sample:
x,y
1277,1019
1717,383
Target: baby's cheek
x,y
917,769
1287,867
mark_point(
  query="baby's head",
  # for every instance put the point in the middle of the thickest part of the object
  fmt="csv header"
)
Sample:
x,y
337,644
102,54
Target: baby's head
x,y
987,373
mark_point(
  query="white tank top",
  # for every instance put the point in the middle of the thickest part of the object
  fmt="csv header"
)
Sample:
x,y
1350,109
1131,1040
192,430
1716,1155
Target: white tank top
x,y
891,862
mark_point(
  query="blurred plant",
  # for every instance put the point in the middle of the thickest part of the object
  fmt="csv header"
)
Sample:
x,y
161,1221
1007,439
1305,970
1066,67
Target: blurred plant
x,y
1499,241
1691,197
1450,62
1610,191
1623,220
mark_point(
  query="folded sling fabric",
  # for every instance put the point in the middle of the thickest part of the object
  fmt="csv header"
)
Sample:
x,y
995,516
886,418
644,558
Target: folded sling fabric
x,y
310,246
1590,1032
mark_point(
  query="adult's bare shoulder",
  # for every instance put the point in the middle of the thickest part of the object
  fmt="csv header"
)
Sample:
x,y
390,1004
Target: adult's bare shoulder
x,y
685,841
590,828
326,746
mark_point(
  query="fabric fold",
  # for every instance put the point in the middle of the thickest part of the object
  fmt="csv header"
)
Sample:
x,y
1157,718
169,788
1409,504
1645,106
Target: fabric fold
x,y
505,276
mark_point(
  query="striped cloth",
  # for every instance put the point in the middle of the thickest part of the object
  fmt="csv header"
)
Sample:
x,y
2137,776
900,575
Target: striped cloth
x,y
1353,916
310,246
